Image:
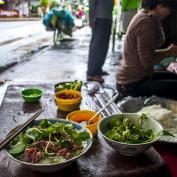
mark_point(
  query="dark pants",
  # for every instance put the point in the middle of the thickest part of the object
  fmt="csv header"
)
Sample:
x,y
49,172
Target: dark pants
x,y
163,84
99,46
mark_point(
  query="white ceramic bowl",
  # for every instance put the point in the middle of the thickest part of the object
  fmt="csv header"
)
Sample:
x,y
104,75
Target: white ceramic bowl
x,y
124,148
47,168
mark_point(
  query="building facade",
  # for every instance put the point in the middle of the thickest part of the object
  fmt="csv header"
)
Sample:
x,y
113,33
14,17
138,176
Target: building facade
x,y
23,7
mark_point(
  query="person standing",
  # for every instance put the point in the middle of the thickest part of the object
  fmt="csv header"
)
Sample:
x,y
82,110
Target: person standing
x,y
129,9
100,16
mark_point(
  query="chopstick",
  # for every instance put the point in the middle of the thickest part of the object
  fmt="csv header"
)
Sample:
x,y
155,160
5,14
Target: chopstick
x,y
103,108
20,129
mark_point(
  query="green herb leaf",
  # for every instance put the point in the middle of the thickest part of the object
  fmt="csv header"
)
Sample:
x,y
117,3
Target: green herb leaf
x,y
123,130
44,124
167,133
17,149
84,136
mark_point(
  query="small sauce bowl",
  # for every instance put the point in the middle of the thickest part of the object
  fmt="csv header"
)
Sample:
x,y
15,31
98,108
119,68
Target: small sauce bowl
x,y
31,95
68,100
83,116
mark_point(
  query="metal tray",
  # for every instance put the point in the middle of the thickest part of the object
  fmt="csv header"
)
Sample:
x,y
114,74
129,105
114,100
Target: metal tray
x,y
131,104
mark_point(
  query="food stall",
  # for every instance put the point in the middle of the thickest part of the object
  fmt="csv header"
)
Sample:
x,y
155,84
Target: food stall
x,y
101,159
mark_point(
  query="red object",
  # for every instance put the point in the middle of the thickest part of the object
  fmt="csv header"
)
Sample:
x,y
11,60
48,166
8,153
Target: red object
x,y
169,154
32,155
80,13
66,96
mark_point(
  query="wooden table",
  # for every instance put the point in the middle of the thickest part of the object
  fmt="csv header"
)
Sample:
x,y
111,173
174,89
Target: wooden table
x,y
100,161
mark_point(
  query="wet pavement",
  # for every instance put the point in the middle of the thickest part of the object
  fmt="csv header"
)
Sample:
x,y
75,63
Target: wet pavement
x,y
66,61
18,39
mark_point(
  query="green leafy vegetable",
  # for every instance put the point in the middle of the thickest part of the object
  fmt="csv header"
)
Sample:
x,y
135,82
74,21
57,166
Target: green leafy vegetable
x,y
44,123
83,136
124,130
18,148
74,85
48,143
166,133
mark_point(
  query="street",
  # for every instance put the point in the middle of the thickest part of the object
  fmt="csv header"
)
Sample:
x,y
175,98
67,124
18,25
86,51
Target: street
x,y
18,38
66,61
20,29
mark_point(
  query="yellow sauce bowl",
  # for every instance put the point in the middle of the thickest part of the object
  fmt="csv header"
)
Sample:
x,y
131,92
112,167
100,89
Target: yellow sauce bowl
x,y
68,105
85,115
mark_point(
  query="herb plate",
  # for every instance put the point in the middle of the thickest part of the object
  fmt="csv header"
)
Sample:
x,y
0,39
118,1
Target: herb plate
x,y
129,148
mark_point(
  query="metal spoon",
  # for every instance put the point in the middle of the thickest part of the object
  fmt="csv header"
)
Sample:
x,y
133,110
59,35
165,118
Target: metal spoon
x,y
103,108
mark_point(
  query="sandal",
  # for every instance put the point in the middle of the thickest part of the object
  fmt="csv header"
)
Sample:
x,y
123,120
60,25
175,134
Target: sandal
x,y
95,78
1,82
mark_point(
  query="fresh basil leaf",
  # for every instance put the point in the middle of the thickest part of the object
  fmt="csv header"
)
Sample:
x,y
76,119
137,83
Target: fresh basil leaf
x,y
44,124
167,133
18,148
84,136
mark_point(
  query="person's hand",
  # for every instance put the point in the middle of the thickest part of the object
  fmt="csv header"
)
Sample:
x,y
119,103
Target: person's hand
x,y
173,50
172,67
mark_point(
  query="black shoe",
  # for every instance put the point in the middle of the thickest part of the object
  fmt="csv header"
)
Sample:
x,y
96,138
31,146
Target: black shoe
x,y
95,78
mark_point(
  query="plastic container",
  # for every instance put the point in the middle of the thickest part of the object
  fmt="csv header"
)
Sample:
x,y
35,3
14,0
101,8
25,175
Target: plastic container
x,y
68,104
31,95
70,85
85,115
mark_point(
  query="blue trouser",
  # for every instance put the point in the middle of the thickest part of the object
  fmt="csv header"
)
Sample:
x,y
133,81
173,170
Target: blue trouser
x,y
99,46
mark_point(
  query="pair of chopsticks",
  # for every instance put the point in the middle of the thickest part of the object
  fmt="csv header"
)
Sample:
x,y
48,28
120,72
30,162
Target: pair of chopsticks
x,y
103,108
19,129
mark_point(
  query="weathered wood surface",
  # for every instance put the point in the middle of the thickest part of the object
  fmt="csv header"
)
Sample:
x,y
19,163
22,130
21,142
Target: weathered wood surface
x,y
100,161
